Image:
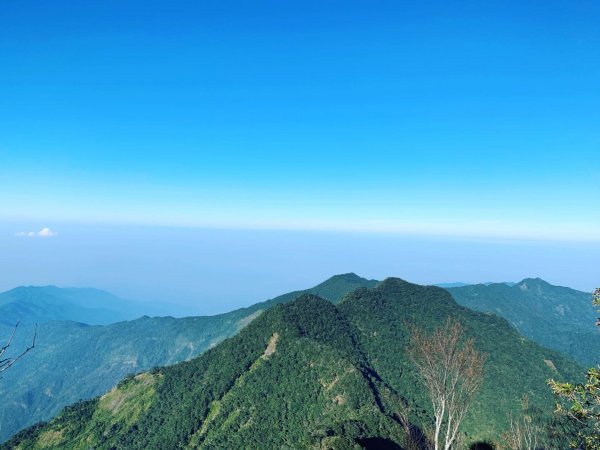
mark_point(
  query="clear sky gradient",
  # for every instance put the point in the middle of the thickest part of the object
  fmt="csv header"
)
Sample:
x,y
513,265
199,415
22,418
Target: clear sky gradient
x,y
461,119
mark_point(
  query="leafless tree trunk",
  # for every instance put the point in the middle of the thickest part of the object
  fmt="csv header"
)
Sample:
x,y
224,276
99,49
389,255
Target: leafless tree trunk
x,y
5,361
452,371
524,432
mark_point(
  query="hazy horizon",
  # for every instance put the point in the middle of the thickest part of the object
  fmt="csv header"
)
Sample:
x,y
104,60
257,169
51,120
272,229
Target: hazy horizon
x,y
213,271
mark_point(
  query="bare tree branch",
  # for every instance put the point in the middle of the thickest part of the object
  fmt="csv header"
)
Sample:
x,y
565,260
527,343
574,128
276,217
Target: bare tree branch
x,y
525,431
452,371
7,362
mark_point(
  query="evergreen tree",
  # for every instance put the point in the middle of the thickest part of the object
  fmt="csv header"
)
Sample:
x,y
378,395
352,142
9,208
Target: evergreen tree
x,y
581,403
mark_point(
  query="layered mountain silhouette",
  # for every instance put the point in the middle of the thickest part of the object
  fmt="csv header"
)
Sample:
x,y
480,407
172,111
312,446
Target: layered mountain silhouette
x,y
308,373
553,316
40,304
75,361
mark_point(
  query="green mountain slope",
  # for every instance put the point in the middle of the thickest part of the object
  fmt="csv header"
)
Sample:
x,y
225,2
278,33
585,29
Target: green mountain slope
x,y
307,374
294,378
73,361
555,317
515,366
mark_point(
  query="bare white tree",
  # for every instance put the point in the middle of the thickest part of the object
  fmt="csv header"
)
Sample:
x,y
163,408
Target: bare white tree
x,y
525,432
451,370
5,361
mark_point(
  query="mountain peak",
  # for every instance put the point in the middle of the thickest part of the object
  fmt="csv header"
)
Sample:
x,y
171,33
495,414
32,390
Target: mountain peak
x,y
536,280
336,287
392,283
350,277
532,283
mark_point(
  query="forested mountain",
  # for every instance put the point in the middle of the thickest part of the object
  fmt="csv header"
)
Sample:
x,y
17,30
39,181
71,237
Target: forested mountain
x,y
75,361
553,316
308,374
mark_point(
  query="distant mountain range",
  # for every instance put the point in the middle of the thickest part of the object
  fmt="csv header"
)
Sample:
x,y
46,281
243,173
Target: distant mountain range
x,y
553,316
307,374
40,304
461,284
75,361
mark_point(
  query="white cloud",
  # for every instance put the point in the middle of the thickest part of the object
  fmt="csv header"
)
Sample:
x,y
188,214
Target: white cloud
x,y
44,232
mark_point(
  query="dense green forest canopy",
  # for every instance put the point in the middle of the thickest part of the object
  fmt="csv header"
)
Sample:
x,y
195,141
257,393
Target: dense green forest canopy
x,y
307,374
75,361
553,316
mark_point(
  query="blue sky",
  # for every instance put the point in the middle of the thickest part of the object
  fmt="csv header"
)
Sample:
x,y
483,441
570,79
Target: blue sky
x,y
463,119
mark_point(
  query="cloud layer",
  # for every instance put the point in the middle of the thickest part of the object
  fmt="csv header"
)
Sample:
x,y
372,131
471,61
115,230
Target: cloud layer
x,y
44,232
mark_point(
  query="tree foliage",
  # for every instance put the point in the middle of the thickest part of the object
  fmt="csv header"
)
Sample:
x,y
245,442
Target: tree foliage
x,y
581,402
